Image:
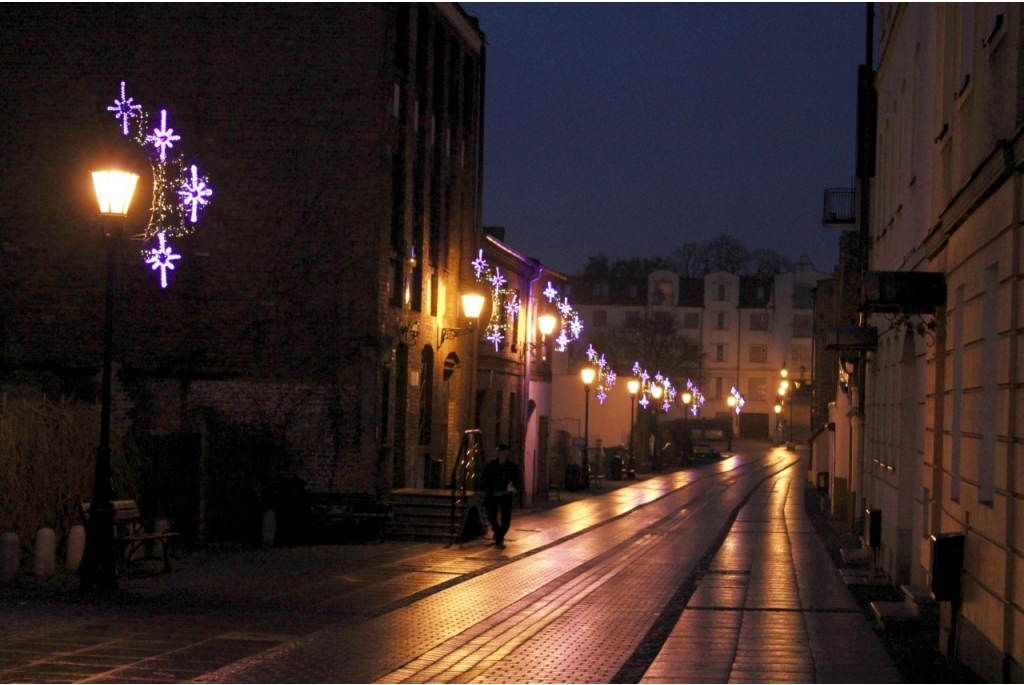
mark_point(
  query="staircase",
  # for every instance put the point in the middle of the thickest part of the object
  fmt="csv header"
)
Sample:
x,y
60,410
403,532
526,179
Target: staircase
x,y
419,514
454,515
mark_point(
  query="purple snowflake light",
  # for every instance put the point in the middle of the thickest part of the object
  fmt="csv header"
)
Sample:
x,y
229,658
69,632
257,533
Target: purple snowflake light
x,y
162,258
591,353
601,396
561,342
497,280
124,109
194,193
644,401
636,368
163,137
611,378
576,327
512,307
550,292
479,264
495,336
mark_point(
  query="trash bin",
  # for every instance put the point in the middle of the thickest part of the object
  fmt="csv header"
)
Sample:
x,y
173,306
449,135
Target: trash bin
x,y
615,467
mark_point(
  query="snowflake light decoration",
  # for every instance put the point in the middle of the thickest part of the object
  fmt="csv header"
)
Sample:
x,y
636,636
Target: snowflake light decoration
x,y
647,383
175,195
561,342
550,292
124,109
504,300
604,377
162,258
163,137
194,193
740,399
698,397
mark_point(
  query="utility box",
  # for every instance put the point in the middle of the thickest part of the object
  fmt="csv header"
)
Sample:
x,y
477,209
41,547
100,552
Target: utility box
x,y
873,527
947,565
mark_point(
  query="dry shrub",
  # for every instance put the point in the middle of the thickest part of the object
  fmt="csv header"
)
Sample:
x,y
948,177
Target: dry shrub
x,y
48,464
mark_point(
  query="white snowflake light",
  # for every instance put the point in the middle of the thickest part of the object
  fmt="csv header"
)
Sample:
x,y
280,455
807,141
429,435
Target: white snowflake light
x,y
576,326
564,308
194,193
163,137
550,292
601,396
479,264
512,307
124,109
602,362
644,401
162,258
495,336
611,377
561,342
636,368
591,353
497,280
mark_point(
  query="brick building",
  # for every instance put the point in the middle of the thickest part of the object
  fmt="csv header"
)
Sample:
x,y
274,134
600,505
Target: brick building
x,y
344,146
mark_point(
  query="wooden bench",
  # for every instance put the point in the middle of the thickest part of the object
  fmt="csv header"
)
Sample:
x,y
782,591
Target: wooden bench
x,y
344,515
132,534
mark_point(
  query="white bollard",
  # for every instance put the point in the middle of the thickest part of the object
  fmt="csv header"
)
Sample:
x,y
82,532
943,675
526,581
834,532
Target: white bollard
x,y
76,548
44,562
269,527
9,557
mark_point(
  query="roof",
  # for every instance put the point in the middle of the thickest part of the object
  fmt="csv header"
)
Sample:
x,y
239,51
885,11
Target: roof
x,y
620,291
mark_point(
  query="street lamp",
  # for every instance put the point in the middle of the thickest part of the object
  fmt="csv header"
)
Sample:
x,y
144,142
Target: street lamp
x,y
656,393
587,373
546,324
114,190
634,387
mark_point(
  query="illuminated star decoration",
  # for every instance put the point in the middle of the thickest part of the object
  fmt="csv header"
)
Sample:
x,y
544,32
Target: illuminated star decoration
x,y
644,401
647,384
504,301
698,397
176,198
194,193
740,400
163,137
561,342
605,377
124,110
162,258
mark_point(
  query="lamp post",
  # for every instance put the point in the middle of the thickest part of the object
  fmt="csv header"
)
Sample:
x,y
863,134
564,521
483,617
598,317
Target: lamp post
x,y
731,401
687,398
656,393
587,373
472,305
634,387
778,409
114,191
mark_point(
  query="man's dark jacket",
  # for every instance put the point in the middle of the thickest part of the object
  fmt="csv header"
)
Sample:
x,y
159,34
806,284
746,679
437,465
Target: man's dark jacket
x,y
497,476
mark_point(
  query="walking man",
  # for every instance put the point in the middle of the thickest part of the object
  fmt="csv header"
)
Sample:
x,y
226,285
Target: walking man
x,y
501,482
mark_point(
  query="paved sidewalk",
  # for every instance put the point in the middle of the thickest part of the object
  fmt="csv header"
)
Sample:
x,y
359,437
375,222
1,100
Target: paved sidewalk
x,y
570,600
772,607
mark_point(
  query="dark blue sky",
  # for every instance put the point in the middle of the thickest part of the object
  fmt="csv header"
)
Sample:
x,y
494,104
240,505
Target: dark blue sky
x,y
628,129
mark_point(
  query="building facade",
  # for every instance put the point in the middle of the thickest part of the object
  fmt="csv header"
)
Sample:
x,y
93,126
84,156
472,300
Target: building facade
x,y
940,447
748,328
344,146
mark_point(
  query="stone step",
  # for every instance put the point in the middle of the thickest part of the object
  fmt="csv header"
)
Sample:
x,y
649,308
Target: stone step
x,y
895,615
919,598
859,576
856,556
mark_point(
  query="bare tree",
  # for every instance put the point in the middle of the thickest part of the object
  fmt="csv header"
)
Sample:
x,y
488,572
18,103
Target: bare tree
x,y
725,253
690,260
655,341
767,261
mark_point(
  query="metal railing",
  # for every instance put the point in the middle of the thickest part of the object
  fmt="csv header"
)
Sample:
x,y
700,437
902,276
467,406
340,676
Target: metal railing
x,y
466,475
840,207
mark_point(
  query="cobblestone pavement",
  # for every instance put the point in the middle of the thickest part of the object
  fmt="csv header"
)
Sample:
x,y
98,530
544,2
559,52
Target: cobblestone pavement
x,y
712,575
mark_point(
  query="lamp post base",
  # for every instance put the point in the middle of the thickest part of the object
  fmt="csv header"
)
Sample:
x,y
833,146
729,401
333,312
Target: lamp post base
x,y
98,564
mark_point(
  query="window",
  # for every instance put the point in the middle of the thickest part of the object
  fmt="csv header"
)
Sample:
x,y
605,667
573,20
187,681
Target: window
x,y
758,354
803,325
721,292
760,293
802,298
720,323
801,356
758,390
718,388
600,318
759,321
691,320
600,290
663,294
632,292
719,353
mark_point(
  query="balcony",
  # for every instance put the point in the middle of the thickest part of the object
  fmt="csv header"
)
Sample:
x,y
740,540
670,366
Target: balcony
x,y
839,207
